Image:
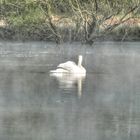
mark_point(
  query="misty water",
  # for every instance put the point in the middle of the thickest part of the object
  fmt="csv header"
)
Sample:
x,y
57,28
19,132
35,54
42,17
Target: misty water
x,y
104,105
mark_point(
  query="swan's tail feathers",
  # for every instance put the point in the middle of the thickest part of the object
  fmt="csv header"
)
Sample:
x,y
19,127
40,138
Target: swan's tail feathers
x,y
53,71
59,70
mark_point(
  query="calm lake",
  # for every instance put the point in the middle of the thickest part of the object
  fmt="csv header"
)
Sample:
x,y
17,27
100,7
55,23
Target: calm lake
x,y
104,105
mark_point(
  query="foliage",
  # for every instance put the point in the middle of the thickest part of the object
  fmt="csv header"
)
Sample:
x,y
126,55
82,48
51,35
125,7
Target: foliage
x,y
90,17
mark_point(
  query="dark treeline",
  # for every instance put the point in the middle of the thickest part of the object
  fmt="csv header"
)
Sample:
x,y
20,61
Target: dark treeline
x,y
69,20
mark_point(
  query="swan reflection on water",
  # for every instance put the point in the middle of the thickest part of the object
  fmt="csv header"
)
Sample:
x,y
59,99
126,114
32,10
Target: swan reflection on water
x,y
69,74
68,81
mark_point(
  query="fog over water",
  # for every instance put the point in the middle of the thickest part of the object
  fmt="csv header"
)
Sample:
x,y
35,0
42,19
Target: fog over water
x,y
104,105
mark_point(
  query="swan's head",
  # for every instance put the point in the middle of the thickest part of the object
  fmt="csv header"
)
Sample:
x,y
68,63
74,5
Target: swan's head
x,y
80,59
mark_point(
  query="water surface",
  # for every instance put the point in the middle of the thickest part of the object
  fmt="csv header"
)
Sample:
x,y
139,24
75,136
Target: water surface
x,y
103,106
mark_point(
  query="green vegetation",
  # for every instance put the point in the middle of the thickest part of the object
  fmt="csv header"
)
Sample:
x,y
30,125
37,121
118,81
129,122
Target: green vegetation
x,y
70,20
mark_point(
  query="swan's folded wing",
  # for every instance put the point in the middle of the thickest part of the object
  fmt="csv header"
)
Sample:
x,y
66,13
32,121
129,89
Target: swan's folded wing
x,y
69,66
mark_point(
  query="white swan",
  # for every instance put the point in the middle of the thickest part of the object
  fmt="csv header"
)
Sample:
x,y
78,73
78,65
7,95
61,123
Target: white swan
x,y
70,67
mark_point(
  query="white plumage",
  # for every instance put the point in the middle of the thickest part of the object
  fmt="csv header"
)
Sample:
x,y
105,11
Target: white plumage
x,y
71,67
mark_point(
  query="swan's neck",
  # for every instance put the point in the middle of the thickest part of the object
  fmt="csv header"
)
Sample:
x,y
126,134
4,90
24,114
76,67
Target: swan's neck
x,y
80,60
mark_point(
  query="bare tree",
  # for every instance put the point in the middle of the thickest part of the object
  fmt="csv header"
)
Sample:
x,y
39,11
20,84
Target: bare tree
x,y
82,20
45,6
96,18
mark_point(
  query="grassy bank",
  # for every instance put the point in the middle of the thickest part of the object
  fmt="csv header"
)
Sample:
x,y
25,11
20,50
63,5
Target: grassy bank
x,y
40,33
71,20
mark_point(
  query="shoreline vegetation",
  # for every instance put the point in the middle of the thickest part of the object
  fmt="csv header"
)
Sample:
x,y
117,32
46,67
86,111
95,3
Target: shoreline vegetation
x,y
70,20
